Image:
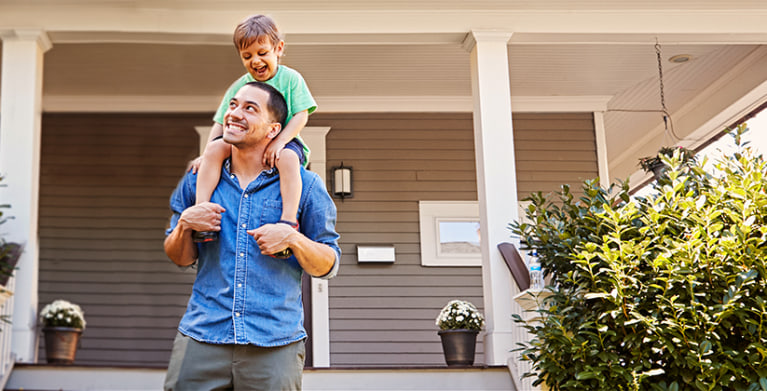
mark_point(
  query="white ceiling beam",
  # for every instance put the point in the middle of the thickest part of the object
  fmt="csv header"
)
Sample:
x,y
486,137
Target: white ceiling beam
x,y
327,104
304,39
95,17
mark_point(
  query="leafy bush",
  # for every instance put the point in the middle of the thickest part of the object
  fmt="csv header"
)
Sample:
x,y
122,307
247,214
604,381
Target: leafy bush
x,y
665,292
9,252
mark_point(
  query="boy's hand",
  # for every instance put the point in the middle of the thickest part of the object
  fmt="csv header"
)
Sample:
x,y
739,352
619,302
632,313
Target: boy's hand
x,y
194,165
272,153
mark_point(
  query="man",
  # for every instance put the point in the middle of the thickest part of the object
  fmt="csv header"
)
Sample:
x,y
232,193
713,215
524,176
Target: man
x,y
243,326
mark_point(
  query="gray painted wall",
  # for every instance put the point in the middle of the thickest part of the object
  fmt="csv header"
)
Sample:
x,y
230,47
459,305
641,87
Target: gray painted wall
x,y
104,188
380,311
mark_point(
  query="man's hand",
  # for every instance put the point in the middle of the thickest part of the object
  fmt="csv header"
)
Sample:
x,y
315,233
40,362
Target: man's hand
x,y
272,153
178,245
273,238
194,164
203,217
315,258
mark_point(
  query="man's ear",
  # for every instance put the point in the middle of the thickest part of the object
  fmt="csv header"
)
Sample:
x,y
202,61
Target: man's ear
x,y
274,130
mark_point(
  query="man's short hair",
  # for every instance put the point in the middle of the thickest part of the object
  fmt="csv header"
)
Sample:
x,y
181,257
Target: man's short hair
x,y
277,106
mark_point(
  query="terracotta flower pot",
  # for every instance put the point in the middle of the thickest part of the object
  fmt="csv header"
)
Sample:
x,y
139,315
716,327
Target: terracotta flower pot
x,y
459,346
61,344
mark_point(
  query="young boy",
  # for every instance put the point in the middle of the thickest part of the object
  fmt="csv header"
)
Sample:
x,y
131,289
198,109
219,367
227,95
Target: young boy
x,y
260,47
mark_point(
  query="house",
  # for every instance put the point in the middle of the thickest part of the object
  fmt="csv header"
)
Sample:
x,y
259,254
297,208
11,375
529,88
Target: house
x,y
471,104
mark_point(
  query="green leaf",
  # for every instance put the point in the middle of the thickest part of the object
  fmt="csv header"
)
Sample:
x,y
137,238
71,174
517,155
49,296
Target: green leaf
x,y
585,375
590,296
654,372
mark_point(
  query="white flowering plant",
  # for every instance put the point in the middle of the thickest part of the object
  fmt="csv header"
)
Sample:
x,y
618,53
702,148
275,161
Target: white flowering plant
x,y
62,313
460,314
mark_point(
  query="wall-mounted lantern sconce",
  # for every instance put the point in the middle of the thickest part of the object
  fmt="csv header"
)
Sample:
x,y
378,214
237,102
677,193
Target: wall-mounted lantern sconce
x,y
342,181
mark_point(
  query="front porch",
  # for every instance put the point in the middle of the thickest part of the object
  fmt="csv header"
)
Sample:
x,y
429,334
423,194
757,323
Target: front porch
x,y
48,377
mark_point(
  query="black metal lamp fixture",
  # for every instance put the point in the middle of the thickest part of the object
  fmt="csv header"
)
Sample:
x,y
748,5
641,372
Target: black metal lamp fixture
x,y
342,181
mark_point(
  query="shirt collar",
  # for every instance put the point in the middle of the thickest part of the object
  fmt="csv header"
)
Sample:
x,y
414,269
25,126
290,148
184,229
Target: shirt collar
x,y
228,167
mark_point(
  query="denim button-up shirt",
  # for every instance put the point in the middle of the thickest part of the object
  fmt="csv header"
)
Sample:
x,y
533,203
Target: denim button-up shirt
x,y
239,295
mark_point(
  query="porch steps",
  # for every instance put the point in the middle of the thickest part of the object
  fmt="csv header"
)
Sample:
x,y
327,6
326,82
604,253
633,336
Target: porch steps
x,y
49,378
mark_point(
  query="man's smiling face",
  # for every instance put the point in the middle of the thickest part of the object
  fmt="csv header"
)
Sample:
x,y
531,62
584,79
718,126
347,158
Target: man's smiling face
x,y
248,120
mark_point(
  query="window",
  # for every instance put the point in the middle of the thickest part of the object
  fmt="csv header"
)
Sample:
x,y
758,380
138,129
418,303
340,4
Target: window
x,y
449,233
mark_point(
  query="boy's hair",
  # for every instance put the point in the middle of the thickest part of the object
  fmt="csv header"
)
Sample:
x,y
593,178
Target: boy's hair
x,y
256,28
276,102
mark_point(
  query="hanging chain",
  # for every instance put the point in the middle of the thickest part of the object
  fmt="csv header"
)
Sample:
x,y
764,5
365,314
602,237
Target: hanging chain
x,y
664,109
660,78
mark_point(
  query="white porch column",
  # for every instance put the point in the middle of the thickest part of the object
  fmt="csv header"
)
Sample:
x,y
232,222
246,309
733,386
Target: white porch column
x,y
20,112
314,136
496,183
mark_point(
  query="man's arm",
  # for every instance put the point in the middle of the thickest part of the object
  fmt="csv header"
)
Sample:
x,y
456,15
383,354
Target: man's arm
x,y
178,244
315,258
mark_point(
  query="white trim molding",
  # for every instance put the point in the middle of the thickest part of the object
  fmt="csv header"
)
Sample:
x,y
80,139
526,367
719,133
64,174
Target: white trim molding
x,y
204,133
329,104
601,140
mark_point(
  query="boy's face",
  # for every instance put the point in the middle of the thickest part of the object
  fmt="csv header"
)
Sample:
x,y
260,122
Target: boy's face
x,y
261,59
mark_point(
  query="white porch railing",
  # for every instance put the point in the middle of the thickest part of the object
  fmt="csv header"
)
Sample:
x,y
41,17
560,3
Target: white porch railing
x,y
6,311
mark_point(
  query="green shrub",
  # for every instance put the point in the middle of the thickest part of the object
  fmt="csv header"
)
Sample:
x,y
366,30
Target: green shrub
x,y
666,292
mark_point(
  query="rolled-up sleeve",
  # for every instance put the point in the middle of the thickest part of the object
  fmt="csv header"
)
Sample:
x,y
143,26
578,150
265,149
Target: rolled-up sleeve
x,y
318,220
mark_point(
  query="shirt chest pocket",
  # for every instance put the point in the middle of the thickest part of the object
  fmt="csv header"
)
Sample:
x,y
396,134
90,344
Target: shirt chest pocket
x,y
271,211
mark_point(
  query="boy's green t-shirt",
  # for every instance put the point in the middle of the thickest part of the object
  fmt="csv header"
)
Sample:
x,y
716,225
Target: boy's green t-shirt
x,y
287,81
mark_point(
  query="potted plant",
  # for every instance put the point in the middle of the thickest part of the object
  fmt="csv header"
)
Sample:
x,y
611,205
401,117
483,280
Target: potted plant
x,y
62,323
459,323
656,165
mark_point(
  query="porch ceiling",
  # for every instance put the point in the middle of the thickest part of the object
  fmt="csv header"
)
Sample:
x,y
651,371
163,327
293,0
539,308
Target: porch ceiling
x,y
395,51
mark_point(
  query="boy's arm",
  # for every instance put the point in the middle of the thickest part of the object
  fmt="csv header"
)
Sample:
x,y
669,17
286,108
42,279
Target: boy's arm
x,y
291,130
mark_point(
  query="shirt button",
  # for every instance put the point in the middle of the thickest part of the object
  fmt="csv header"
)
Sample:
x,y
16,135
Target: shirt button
x,y
231,176
246,196
239,285
236,314
243,226
242,254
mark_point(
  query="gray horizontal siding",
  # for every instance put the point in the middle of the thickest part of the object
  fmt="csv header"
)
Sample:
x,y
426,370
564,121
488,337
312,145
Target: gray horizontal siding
x,y
383,315
104,187
554,149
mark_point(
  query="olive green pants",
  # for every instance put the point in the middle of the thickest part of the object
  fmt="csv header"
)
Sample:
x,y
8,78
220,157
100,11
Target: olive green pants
x,y
196,366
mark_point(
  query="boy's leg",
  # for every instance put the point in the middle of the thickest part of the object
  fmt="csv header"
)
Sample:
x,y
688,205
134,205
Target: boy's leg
x,y
289,166
199,366
208,176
